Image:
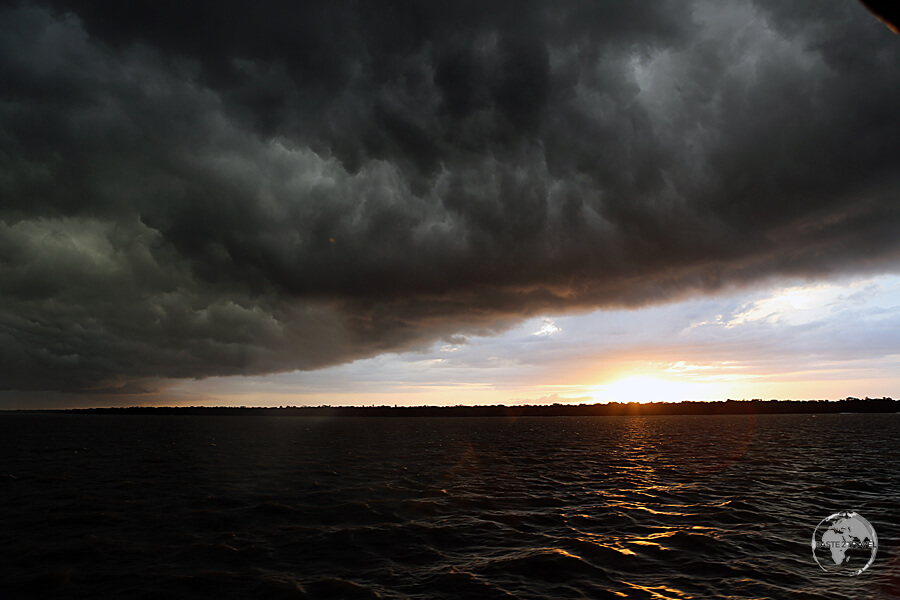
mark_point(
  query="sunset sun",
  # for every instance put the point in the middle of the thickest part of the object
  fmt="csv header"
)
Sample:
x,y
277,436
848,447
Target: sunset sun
x,y
649,388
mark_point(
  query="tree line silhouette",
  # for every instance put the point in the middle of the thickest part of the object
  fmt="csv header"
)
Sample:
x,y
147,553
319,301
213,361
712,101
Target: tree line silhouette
x,y
726,407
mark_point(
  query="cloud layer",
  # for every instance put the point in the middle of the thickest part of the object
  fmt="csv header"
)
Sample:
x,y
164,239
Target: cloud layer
x,y
221,189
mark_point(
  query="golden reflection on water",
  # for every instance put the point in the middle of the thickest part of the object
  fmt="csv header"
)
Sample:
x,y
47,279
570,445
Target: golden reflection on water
x,y
561,552
653,468
649,543
659,592
722,446
658,512
654,478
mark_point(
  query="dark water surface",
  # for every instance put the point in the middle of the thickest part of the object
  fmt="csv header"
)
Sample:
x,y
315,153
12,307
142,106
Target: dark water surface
x,y
572,507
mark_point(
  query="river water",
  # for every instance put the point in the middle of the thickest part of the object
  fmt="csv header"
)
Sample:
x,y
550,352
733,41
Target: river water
x,y
663,507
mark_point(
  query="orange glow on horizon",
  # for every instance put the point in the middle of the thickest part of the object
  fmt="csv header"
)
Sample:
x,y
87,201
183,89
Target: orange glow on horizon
x,y
648,388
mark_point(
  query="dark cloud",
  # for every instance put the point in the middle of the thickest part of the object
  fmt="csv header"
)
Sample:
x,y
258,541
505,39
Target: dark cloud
x,y
224,189
886,11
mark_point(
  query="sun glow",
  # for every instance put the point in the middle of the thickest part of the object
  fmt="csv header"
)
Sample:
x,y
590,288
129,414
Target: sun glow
x,y
644,388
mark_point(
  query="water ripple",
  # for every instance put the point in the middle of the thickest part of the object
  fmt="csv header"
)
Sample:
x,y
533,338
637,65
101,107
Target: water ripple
x,y
605,507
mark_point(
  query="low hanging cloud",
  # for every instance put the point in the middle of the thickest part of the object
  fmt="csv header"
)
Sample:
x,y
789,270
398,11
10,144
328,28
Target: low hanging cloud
x,y
222,189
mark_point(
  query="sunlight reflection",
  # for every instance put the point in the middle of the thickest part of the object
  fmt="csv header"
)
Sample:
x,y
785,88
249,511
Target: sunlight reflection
x,y
659,592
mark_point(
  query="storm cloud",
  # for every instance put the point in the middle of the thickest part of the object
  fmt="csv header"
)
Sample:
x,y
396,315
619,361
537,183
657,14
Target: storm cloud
x,y
226,188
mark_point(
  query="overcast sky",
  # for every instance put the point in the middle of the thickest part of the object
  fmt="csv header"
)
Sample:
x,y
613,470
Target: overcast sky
x,y
446,202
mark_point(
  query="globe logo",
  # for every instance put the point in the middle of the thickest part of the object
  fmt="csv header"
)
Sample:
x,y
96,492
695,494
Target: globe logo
x,y
844,543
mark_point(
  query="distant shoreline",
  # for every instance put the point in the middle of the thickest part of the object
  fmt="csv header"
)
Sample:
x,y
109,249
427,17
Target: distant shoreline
x,y
726,407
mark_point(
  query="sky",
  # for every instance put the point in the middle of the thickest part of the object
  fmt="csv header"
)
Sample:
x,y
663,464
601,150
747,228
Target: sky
x,y
291,203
